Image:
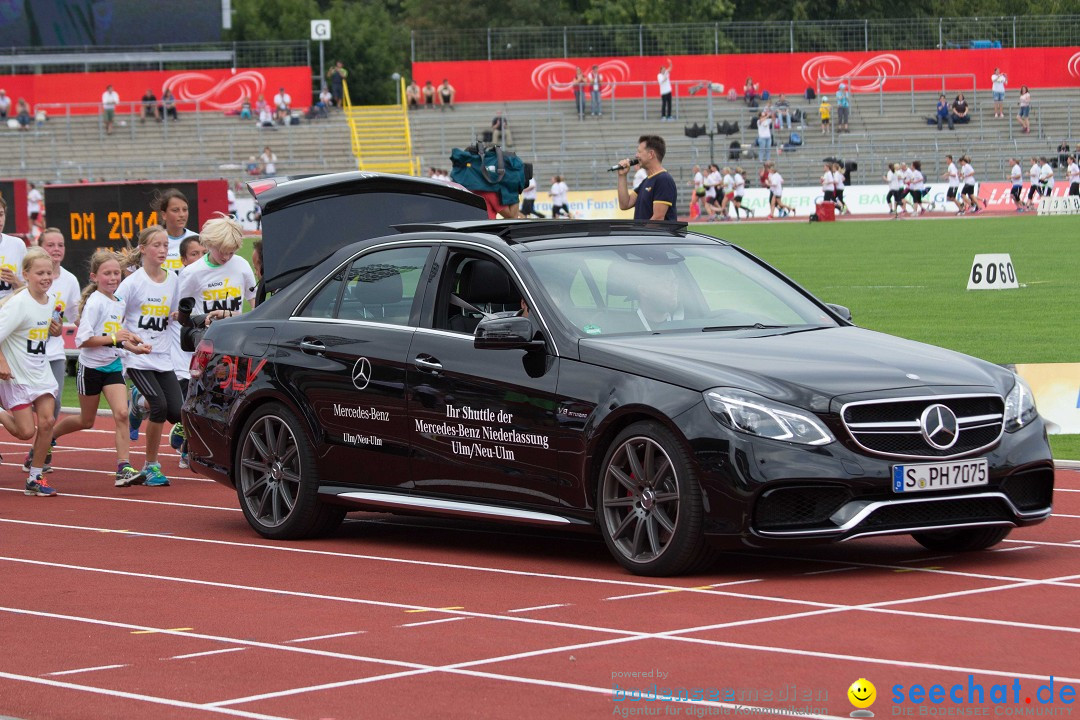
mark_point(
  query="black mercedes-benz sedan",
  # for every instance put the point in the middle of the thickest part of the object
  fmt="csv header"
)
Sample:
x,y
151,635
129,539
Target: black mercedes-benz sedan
x,y
665,388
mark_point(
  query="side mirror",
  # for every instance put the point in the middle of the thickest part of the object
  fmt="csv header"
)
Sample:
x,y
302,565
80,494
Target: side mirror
x,y
507,333
840,310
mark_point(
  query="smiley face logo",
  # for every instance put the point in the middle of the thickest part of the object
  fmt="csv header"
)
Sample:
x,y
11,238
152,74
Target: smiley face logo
x,y
862,695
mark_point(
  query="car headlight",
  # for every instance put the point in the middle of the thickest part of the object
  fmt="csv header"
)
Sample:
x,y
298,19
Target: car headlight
x,y
755,415
1019,406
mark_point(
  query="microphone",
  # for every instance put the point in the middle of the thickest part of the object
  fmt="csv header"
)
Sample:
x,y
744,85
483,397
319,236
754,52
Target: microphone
x,y
616,168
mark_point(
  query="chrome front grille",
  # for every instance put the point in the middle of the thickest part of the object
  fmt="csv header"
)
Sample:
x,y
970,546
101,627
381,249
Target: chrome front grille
x,y
894,427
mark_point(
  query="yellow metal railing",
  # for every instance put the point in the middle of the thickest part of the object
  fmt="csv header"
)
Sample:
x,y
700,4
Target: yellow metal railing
x,y
385,127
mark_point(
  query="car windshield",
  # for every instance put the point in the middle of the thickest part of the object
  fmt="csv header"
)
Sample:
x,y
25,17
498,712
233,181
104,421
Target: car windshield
x,y
635,289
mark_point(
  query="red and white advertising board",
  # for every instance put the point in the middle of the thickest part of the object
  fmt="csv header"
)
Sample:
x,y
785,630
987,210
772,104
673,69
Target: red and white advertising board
x,y
791,73
221,89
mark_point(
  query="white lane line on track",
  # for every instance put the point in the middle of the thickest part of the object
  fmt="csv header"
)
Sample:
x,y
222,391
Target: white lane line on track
x,y
135,500
86,669
63,468
1064,516
832,570
540,607
697,587
924,559
327,637
433,622
626,636
1010,549
545,576
135,696
208,652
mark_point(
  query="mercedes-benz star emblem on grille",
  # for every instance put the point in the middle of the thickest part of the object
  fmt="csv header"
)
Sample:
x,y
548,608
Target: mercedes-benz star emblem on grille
x,y
361,376
939,426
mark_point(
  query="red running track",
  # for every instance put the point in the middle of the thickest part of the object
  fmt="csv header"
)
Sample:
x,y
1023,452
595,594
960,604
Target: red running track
x,y
161,602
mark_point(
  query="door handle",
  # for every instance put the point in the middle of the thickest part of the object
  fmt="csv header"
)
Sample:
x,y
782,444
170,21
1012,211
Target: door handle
x,y
314,347
426,362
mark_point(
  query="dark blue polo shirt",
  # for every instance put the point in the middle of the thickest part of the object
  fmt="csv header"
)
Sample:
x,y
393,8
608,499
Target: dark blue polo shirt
x,y
658,188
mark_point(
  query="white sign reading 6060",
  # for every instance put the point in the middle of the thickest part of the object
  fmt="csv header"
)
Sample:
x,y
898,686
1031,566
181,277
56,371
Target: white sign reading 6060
x,y
992,272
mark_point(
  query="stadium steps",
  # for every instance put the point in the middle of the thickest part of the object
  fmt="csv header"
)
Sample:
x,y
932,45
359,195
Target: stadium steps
x,y
204,145
380,137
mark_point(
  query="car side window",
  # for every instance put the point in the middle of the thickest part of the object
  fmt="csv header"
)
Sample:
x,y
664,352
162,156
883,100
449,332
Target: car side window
x,y
474,282
324,303
381,286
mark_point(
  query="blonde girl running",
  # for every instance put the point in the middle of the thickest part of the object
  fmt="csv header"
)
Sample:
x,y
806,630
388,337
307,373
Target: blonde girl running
x,y
102,338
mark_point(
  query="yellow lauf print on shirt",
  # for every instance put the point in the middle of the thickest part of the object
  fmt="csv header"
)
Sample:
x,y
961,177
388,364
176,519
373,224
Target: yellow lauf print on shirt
x,y
5,265
154,314
222,295
36,339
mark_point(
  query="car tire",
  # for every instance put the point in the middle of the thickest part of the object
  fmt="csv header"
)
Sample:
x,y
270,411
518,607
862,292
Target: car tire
x,y
277,479
649,503
961,539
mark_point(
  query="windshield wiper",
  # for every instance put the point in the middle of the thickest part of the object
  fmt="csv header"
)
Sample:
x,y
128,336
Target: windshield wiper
x,y
755,326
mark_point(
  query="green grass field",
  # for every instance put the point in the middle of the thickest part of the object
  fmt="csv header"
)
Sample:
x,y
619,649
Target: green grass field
x,y
909,278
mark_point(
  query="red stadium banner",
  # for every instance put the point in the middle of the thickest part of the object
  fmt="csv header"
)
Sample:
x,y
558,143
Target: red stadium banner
x,y
791,73
214,90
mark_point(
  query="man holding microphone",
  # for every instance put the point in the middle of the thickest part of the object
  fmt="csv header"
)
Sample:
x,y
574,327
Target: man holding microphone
x,y
656,197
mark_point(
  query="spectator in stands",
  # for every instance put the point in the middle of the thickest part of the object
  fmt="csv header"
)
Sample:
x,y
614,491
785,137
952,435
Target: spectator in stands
x,y
764,135
412,95
960,110
337,74
429,95
261,106
109,101
1025,108
578,86
5,104
558,193
596,81
321,109
149,105
167,106
843,108
245,107
1063,151
266,115
282,106
446,94
269,162
783,112
500,129
825,112
997,89
663,79
22,114
944,114
750,92
252,167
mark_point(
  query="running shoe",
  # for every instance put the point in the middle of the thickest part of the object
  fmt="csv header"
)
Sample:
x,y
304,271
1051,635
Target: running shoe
x,y
39,487
177,436
154,477
184,464
30,460
135,415
128,476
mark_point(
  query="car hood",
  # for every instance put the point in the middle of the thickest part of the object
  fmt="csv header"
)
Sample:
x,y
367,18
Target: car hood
x,y
807,368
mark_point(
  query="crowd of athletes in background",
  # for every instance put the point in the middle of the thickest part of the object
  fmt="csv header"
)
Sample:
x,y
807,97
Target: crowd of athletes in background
x,y
128,332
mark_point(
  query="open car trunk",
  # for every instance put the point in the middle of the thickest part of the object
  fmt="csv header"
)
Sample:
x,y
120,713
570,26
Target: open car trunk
x,y
304,220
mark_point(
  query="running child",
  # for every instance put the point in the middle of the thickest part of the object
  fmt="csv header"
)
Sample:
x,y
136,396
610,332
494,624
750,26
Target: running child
x,y
1073,175
953,176
149,299
968,174
917,181
740,190
1033,177
776,193
838,189
27,385
12,251
101,339
1016,175
65,292
892,177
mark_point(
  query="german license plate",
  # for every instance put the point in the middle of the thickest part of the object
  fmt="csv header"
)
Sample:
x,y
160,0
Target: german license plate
x,y
940,476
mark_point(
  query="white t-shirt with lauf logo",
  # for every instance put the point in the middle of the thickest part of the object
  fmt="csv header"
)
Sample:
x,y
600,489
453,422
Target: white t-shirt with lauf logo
x,y
218,287
24,332
12,252
147,307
